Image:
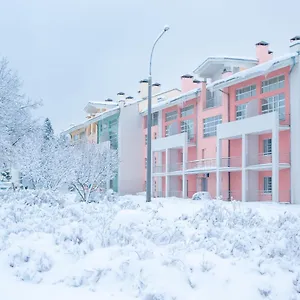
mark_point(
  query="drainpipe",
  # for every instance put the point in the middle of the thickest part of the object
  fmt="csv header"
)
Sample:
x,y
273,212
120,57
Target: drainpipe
x,y
228,144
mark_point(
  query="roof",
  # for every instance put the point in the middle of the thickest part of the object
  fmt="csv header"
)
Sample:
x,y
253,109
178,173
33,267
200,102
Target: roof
x,y
160,93
85,124
258,70
92,107
214,63
173,101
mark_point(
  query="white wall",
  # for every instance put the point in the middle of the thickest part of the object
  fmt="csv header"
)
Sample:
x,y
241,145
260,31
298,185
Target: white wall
x,y
295,136
130,145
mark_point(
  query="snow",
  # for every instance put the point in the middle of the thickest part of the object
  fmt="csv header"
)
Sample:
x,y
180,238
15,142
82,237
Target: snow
x,y
129,249
254,71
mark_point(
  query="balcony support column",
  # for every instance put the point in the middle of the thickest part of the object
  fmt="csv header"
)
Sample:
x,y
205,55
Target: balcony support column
x,y
184,162
275,159
218,173
166,173
244,165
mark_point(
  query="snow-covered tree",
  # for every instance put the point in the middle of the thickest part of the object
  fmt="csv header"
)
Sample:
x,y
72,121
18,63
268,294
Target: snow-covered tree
x,y
93,166
48,130
15,121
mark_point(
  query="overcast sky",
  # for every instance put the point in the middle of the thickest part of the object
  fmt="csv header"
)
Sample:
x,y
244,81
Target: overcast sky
x,y
68,52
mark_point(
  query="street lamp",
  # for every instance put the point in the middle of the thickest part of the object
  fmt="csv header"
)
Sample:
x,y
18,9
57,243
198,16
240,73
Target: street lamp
x,y
149,123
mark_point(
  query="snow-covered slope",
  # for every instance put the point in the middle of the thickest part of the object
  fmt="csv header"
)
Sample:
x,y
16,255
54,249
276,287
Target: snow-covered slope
x,y
167,249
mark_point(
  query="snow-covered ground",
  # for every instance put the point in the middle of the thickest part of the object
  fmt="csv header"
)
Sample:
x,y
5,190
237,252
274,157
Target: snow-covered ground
x,y
129,249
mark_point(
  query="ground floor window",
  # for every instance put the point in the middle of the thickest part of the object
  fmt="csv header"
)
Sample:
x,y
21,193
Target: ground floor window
x,y
267,185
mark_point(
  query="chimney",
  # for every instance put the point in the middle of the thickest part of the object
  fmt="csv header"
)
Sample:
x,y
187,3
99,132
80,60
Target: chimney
x,y
121,98
156,88
143,91
109,100
295,44
270,54
187,83
262,52
129,99
197,83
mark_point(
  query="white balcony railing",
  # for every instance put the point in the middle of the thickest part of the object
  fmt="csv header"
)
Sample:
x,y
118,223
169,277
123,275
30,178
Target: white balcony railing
x,y
202,164
266,158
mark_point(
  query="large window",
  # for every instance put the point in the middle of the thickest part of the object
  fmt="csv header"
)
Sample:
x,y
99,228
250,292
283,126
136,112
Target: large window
x,y
187,111
272,84
240,111
274,103
213,99
210,125
188,126
267,146
245,92
267,185
172,115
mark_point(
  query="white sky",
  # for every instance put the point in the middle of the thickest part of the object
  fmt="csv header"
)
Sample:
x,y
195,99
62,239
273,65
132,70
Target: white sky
x,y
69,52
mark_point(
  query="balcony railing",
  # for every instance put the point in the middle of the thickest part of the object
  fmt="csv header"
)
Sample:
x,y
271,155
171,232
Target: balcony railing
x,y
231,162
202,164
266,158
159,169
174,167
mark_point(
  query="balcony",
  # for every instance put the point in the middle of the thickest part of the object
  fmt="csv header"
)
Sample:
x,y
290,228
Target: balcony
x,y
201,166
159,169
175,167
233,162
264,161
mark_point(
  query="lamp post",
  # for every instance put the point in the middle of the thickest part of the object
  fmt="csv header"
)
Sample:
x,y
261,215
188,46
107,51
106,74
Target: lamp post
x,y
149,119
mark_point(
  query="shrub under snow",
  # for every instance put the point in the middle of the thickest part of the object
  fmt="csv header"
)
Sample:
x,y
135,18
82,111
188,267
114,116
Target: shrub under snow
x,y
150,251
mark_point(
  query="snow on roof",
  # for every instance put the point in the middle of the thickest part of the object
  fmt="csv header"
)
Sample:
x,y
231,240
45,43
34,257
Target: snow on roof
x,y
101,116
103,103
260,69
160,93
173,101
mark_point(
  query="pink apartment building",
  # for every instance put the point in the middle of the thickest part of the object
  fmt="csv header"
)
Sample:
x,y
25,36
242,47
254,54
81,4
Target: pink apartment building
x,y
234,133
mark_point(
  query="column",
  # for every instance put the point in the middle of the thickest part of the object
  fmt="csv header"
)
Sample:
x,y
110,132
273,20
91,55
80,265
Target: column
x,y
275,159
184,161
244,165
166,173
218,163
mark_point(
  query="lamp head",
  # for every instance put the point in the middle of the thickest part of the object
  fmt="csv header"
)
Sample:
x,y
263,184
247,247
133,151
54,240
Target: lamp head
x,y
166,28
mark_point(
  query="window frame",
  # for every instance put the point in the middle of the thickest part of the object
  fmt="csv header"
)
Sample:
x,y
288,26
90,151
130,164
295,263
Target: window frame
x,y
171,115
242,109
272,84
267,147
245,92
210,125
187,111
274,103
267,185
188,127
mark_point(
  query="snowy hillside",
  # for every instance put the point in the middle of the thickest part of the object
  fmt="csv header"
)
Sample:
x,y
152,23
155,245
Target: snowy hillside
x,y
168,249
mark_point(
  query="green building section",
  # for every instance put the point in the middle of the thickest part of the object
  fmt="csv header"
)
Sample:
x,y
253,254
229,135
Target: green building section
x,y
108,131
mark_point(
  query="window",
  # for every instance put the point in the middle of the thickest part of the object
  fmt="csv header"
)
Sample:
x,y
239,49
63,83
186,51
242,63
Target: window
x,y
210,125
188,126
172,115
267,146
246,92
146,139
155,119
274,103
76,137
272,84
268,185
155,135
240,111
212,99
187,111
82,135
167,130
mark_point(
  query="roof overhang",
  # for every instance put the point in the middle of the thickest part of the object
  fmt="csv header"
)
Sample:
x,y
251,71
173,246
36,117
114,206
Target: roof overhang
x,y
215,64
85,124
173,101
262,69
92,107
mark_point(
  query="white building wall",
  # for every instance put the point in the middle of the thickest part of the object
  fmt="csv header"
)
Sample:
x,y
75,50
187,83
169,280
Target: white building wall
x,y
295,136
130,145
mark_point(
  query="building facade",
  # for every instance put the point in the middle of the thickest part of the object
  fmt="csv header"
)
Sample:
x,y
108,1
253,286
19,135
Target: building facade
x,y
234,133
